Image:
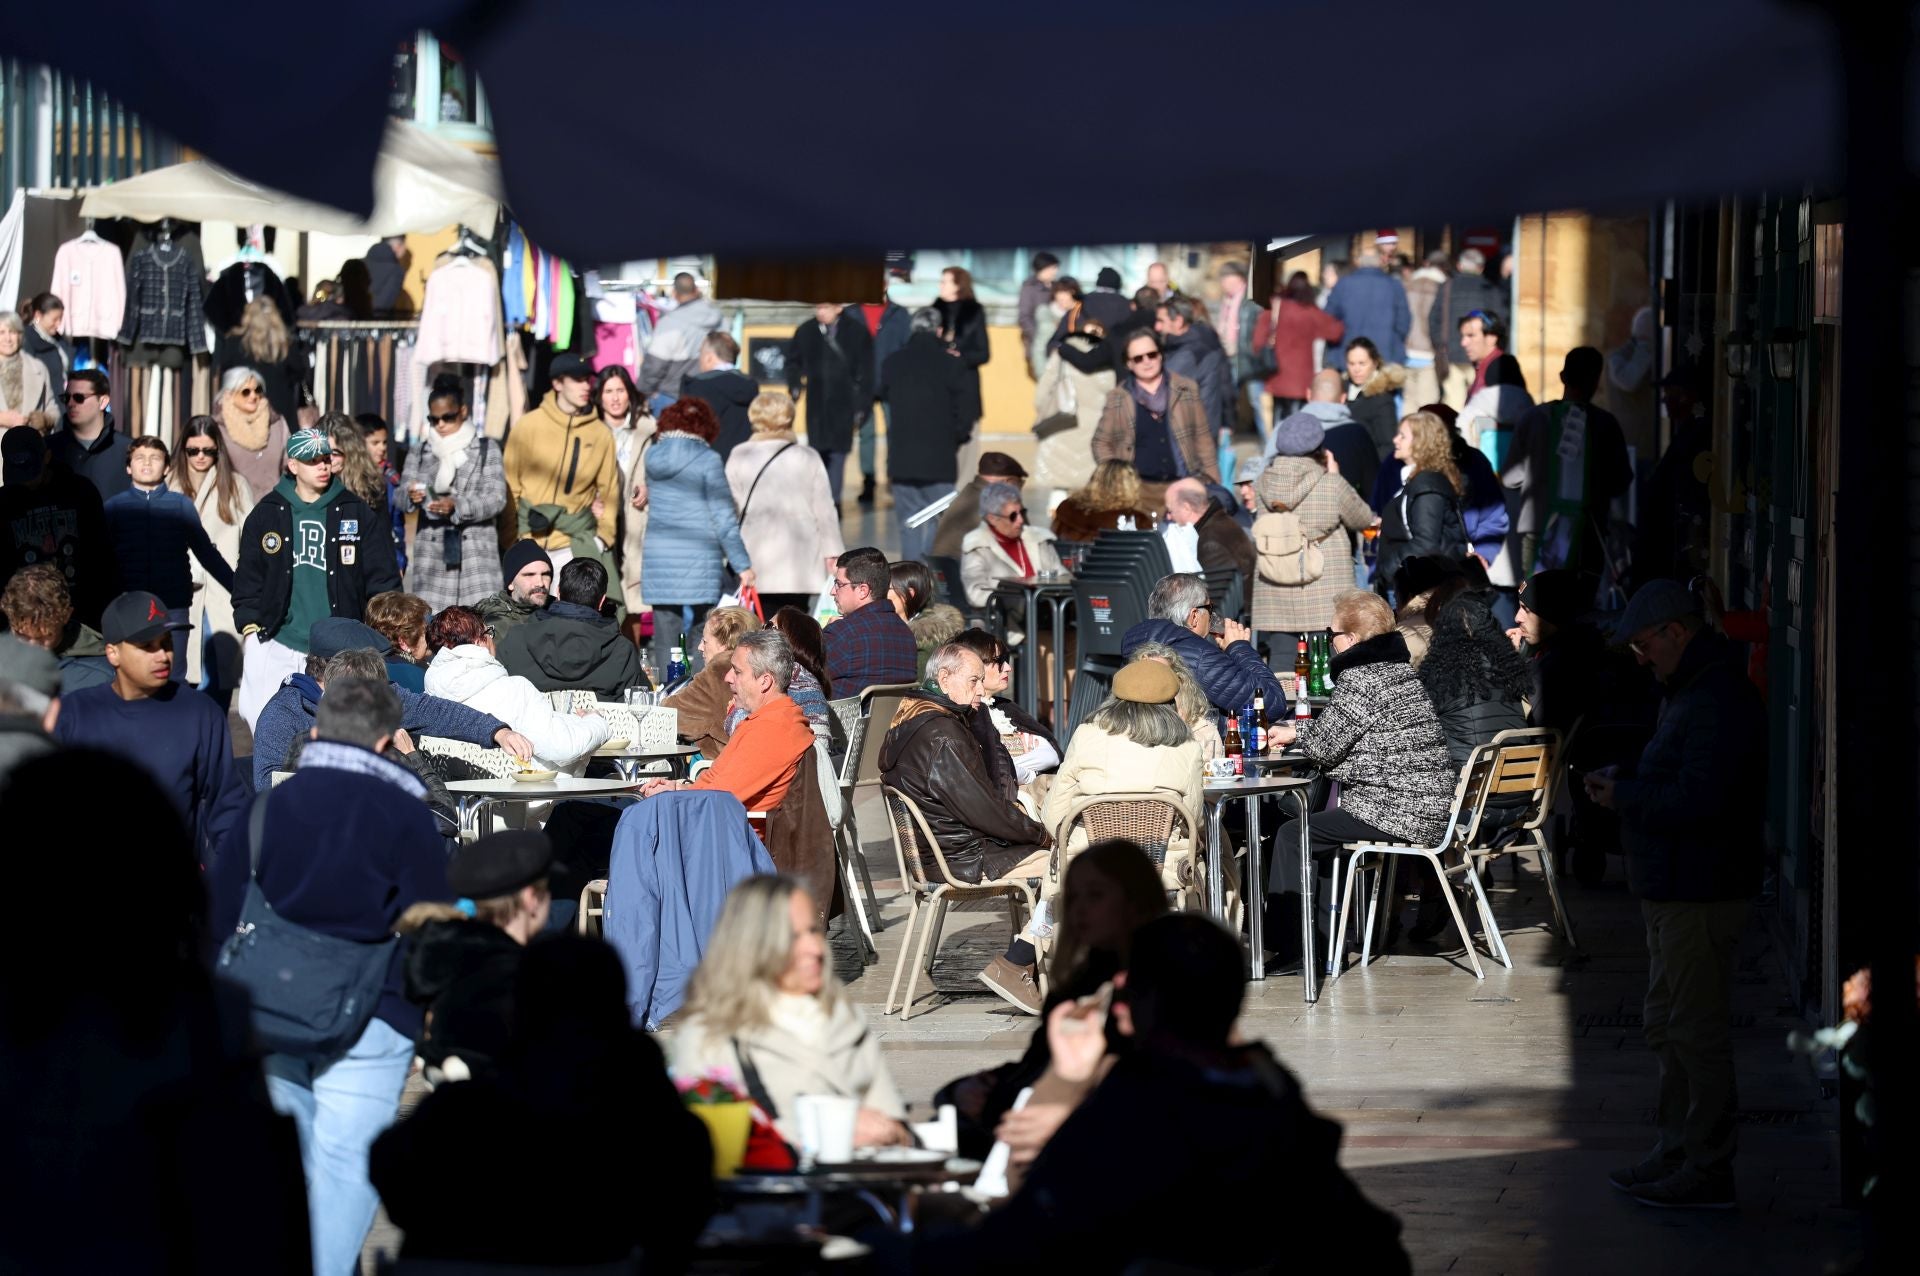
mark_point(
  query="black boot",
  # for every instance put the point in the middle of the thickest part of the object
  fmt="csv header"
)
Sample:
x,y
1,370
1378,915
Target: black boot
x,y
866,490
1432,915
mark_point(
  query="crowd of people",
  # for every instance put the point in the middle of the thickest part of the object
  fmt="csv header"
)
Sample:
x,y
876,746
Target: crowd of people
x,y
1408,499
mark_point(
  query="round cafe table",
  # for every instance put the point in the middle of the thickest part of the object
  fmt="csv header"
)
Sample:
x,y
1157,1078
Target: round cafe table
x,y
1250,788
628,761
472,797
877,1184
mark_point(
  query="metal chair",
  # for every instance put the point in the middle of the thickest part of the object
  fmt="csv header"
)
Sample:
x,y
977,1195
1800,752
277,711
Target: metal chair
x,y
1150,820
593,904
914,845
1522,767
1513,763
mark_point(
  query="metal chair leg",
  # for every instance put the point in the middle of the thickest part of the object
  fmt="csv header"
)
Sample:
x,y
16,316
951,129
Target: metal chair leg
x,y
1459,922
1346,908
1496,944
1380,871
939,924
1553,891
868,952
906,951
923,957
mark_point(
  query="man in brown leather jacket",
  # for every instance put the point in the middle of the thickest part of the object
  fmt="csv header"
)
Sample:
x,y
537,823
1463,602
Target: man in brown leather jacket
x,y
930,754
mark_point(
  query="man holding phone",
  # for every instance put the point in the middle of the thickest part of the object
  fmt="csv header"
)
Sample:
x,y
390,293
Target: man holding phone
x,y
1693,841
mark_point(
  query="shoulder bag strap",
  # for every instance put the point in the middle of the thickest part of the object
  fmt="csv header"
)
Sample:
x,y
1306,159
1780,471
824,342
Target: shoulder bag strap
x,y
756,1088
755,485
257,828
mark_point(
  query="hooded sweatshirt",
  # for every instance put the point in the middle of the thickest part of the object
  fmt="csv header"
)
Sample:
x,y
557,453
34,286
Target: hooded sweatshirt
x,y
571,649
553,458
471,675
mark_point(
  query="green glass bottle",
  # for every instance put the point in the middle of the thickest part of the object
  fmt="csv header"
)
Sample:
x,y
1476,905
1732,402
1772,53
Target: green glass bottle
x,y
1321,677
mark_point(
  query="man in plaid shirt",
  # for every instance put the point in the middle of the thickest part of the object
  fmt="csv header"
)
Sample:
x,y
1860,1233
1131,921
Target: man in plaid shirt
x,y
869,645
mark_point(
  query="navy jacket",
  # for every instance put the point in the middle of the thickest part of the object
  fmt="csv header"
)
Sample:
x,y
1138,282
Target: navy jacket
x,y
346,849
179,736
290,714
1231,678
153,532
1372,304
102,462
1688,817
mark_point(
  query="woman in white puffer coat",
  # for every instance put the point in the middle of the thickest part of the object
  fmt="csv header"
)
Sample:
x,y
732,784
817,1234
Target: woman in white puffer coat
x,y
464,669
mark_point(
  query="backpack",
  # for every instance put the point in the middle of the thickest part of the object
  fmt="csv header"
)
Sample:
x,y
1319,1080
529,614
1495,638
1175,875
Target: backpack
x,y
1286,556
313,994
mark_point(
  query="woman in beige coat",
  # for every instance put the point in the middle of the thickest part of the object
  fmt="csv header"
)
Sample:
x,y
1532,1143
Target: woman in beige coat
x,y
1301,480
26,398
1134,743
765,1010
787,514
1075,382
203,474
633,431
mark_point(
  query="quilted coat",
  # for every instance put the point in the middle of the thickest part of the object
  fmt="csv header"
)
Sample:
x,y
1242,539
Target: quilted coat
x,y
692,526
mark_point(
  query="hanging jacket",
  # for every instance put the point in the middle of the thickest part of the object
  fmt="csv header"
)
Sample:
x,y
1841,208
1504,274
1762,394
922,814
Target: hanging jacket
x,y
163,300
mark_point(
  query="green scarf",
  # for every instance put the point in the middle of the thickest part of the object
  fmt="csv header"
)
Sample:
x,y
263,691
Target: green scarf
x,y
582,531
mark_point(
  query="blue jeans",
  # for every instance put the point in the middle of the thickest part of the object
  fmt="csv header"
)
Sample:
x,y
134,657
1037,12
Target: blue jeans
x,y
1255,393
909,499
339,1109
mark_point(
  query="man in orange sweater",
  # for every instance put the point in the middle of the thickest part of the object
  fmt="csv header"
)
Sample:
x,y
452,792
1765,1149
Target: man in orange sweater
x,y
767,750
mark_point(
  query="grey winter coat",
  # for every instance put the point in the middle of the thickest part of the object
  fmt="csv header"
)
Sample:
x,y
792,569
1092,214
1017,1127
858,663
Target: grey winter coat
x,y
692,527
479,494
1379,737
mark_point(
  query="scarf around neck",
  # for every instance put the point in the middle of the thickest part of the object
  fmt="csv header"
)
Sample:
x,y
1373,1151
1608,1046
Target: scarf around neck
x,y
247,429
1156,402
449,454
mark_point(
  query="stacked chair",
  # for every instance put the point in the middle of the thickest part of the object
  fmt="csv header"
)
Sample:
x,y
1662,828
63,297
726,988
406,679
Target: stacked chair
x,y
1117,574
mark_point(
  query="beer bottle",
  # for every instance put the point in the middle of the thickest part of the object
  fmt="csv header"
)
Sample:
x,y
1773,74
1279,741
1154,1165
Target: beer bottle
x,y
1235,750
1302,662
1259,742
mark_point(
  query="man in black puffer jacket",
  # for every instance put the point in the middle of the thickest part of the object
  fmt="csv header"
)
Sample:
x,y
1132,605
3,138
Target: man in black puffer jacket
x,y
1693,838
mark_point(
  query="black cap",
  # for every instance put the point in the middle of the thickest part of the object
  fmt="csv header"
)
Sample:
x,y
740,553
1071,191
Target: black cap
x,y
23,453
500,864
570,365
331,635
1107,278
137,617
1559,595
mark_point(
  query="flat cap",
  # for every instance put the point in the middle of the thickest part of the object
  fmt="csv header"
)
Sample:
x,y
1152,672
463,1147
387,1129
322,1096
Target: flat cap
x,y
500,864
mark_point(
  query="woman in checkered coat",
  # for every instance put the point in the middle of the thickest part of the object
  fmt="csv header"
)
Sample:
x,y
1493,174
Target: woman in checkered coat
x,y
454,479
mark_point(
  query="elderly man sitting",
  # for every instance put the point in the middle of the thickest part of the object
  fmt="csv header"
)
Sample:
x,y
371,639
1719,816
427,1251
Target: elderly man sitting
x,y
1227,668
930,754
1380,738
764,755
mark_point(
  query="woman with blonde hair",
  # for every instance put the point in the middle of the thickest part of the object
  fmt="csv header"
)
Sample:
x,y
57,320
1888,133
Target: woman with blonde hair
x,y
204,475
704,701
765,1008
26,396
787,514
1111,494
261,341
255,435
1425,518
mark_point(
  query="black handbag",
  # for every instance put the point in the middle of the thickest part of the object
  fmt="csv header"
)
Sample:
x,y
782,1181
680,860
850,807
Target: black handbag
x,y
313,994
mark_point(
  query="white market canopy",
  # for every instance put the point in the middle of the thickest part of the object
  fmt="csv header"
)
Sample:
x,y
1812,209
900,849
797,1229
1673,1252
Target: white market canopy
x,y
421,183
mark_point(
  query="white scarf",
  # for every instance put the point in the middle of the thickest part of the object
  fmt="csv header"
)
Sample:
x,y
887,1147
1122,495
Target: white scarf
x,y
449,453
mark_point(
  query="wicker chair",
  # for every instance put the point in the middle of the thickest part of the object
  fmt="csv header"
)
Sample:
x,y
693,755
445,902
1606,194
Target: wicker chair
x,y
914,844
1151,820
495,762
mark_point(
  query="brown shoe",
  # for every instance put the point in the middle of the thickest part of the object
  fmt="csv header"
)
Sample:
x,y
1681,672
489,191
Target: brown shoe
x,y
1015,983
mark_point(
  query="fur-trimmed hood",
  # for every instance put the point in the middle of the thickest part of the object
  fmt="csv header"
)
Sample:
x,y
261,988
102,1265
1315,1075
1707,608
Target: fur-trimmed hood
x,y
1388,378
936,626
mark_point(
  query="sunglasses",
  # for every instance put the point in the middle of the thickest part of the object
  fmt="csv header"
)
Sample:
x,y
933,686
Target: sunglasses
x,y
201,451
1148,357
1018,516
448,419
78,396
250,392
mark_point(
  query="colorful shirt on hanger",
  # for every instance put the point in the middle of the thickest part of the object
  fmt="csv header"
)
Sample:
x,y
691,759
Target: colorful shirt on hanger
x,y
460,322
91,277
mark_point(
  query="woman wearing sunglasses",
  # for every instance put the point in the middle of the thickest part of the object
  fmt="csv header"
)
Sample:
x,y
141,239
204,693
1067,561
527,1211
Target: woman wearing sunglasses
x,y
255,436
203,474
26,397
454,478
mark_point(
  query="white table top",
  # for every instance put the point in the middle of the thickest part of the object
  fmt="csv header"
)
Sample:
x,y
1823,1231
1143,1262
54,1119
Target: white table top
x,y
559,786
1246,785
628,751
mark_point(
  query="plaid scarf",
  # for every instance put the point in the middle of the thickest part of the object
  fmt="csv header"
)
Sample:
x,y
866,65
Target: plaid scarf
x,y
337,755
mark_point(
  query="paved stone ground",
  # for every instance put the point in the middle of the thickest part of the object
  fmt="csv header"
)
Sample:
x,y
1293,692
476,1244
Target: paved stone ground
x,y
1484,1114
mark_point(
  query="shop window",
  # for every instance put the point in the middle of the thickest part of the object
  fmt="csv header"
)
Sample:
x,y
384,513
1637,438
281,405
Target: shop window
x,y
436,88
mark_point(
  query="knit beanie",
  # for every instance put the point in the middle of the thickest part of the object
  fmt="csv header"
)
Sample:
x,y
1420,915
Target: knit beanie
x,y
519,556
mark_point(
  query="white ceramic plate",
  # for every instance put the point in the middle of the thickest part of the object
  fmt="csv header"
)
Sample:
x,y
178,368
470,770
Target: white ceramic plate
x,y
533,777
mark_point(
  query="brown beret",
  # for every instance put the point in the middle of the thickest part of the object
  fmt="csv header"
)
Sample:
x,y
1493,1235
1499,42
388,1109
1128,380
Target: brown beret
x,y
1146,682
